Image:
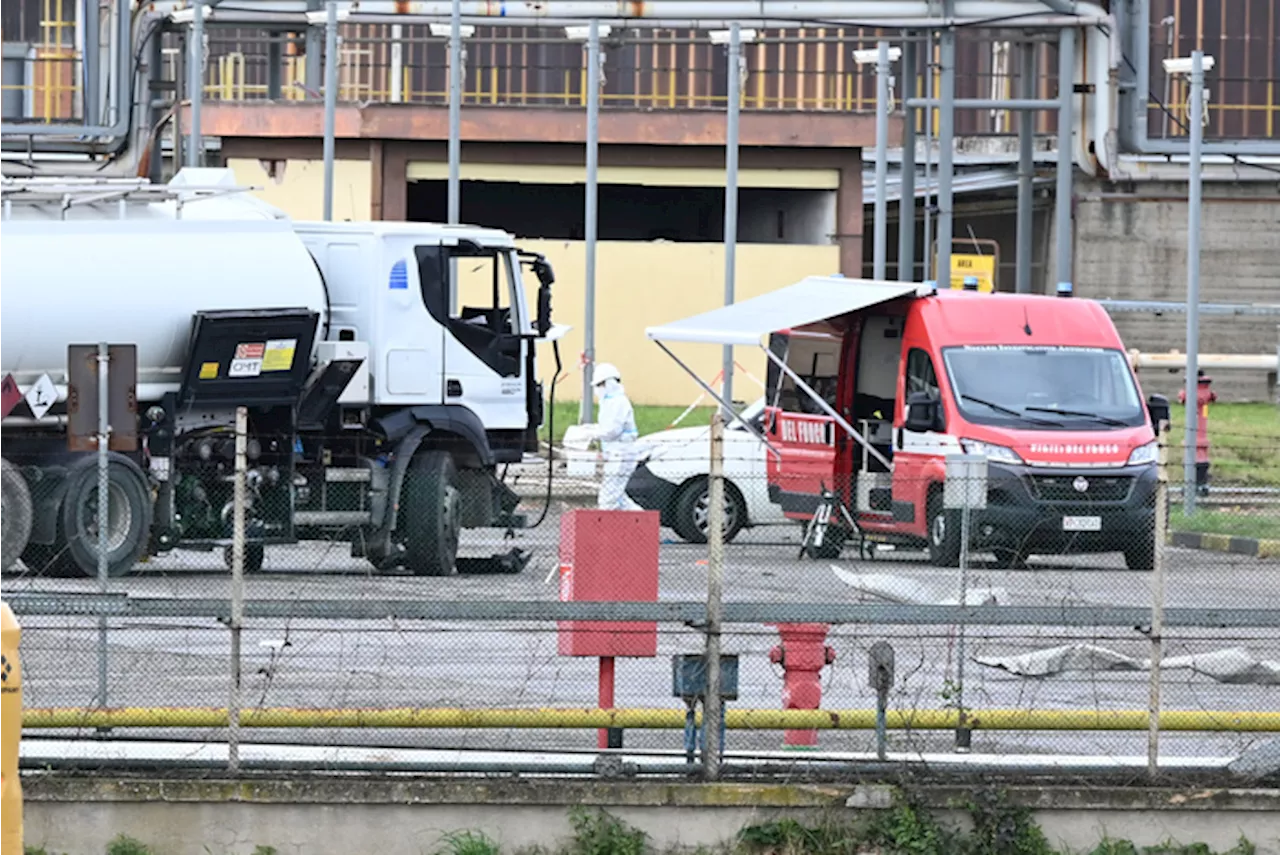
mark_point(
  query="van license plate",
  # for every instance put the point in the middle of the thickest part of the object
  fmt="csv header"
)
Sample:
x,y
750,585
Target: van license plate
x,y
1082,523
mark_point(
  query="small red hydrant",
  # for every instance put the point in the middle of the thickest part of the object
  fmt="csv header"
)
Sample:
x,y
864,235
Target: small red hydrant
x,y
1204,397
802,654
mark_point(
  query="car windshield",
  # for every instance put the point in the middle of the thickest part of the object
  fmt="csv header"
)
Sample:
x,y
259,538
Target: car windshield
x,y
1044,387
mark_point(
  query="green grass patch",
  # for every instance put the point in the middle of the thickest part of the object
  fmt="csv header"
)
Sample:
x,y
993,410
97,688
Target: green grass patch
x,y
1262,523
648,418
1244,444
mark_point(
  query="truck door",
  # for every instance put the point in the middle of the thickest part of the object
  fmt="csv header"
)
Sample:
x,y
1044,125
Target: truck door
x,y
484,353
914,453
801,432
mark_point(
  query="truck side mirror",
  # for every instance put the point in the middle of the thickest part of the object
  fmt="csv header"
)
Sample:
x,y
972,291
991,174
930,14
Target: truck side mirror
x,y
1158,408
922,412
546,278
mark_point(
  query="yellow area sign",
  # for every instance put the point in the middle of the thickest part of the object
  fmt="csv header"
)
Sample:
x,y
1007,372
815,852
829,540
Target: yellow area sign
x,y
983,267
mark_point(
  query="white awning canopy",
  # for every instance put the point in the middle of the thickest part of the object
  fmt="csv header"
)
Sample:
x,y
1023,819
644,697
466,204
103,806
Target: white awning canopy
x,y
808,301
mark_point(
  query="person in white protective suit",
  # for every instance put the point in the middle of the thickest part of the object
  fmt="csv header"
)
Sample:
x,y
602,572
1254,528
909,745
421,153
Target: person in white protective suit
x,y
615,428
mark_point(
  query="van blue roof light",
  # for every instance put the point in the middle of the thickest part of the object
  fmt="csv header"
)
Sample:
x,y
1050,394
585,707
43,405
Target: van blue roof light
x,y
971,283
1064,289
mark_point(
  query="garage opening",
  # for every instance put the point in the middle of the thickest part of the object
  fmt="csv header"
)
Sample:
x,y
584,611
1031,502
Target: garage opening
x,y
633,212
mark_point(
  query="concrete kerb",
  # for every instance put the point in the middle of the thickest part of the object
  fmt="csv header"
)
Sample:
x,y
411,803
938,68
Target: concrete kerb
x,y
318,813
1250,546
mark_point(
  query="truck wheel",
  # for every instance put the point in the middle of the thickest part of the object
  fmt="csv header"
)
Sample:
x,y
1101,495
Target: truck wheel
x,y
15,514
692,515
128,516
430,514
1141,555
943,533
254,555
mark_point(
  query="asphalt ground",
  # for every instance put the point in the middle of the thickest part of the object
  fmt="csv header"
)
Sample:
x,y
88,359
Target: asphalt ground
x,y
387,663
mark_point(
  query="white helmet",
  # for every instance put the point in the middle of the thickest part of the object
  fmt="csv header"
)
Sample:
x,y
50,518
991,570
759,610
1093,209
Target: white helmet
x,y
604,371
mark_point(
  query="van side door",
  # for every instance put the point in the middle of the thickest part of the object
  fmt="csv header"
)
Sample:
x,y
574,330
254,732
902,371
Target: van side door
x,y
914,452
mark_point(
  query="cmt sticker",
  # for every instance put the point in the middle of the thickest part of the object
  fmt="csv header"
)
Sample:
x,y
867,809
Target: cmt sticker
x,y
208,371
245,368
278,355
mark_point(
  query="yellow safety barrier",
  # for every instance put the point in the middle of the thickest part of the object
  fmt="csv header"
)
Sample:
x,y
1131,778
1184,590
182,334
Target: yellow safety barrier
x,y
11,723
650,719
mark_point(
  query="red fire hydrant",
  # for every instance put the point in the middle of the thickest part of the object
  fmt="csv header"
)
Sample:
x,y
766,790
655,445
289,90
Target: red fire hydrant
x,y
802,654
1204,397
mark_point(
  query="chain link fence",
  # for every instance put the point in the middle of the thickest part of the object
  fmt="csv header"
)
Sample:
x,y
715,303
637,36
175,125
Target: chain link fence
x,y
1050,657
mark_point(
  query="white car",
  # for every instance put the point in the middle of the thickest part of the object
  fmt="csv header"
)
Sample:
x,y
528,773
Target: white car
x,y
673,478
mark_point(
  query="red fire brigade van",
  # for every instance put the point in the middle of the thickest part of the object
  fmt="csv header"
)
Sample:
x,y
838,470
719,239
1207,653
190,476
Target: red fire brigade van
x,y
1039,385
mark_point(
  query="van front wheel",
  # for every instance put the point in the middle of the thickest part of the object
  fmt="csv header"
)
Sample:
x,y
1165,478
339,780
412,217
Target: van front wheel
x,y
943,533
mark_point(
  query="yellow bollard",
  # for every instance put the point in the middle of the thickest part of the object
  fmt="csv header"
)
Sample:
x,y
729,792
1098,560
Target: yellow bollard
x,y
11,724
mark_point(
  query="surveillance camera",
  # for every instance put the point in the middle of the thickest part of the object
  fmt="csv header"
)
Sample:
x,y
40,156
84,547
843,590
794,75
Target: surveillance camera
x,y
580,33
870,56
721,37
443,31
1182,64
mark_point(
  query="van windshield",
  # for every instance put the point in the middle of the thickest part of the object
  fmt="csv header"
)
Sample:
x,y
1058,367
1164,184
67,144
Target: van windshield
x,y
1044,387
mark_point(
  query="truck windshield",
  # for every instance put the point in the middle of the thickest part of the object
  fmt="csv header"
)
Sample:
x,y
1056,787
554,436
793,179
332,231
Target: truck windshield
x,y
1045,388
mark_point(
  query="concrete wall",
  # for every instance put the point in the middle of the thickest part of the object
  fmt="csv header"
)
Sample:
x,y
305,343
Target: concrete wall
x,y
319,816
297,187
1137,250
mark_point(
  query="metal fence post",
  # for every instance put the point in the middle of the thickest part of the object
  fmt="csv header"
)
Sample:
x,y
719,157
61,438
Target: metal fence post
x,y
1157,597
330,101
907,200
712,704
237,587
195,82
881,225
591,226
731,200
946,153
104,505
1066,104
1026,169
1192,413
453,201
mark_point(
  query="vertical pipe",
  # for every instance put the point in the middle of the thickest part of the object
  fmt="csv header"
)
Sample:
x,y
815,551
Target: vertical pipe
x,y
1157,598
591,221
731,198
966,523
926,251
155,64
1193,282
455,112
330,100
397,63
1062,197
712,704
946,152
275,66
880,250
907,202
91,65
312,69
454,199
104,505
119,61
240,499
1026,167
195,81
1141,22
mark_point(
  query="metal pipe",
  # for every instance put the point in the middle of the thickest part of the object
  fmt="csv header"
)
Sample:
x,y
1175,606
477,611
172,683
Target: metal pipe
x,y
330,101
237,586
1026,171
592,221
735,69
1159,307
104,506
1157,599
716,14
195,81
1062,200
312,70
926,251
739,718
1193,282
1220,361
1031,104
454,187
879,249
397,63
946,154
907,201
91,64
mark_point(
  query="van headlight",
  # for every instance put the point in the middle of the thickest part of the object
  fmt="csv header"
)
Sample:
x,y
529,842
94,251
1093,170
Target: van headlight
x,y
1144,454
998,453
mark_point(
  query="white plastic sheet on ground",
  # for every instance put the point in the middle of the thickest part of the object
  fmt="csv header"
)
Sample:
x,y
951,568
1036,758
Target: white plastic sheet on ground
x,y
1233,665
901,589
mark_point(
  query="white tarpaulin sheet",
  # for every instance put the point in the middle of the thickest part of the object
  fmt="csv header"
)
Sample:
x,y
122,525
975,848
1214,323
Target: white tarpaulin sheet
x,y
806,302
1233,665
900,589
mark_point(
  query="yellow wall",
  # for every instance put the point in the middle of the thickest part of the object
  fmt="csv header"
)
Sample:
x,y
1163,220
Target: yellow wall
x,y
639,285
300,191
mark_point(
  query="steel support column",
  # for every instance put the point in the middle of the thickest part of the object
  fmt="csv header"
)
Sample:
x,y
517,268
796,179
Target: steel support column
x,y
907,201
1062,202
1026,168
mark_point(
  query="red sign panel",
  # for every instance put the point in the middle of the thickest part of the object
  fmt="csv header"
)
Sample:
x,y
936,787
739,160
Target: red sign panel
x,y
9,395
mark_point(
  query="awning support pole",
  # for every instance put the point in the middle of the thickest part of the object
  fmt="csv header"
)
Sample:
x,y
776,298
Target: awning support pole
x,y
720,400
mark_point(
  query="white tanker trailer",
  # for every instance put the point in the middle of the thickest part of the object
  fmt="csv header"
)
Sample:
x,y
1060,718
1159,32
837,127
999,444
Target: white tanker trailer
x,y
377,413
